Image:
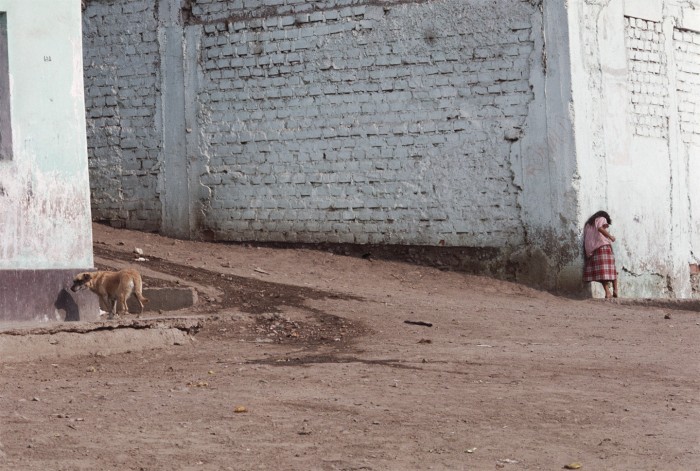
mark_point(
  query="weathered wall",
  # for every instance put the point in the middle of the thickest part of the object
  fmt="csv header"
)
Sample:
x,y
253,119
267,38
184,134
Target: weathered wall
x,y
363,122
45,224
44,192
637,69
496,126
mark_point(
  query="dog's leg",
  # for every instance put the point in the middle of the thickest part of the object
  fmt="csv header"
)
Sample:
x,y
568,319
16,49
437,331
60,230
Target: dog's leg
x,y
140,302
105,301
121,305
138,288
112,306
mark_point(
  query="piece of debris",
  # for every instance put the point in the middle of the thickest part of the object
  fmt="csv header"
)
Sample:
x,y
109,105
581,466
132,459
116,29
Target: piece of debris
x,y
240,409
305,428
667,316
471,450
573,466
198,384
140,259
424,324
260,270
138,251
425,341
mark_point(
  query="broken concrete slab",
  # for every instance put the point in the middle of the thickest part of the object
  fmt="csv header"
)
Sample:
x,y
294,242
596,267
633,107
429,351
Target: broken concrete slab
x,y
62,340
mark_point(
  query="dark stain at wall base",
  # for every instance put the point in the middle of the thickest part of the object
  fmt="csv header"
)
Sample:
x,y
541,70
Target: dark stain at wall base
x,y
491,261
44,296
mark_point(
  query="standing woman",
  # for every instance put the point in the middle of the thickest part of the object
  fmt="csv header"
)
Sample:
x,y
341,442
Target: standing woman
x,y
600,260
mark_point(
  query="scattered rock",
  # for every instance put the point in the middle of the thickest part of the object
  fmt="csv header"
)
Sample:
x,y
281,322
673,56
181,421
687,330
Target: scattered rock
x,y
421,323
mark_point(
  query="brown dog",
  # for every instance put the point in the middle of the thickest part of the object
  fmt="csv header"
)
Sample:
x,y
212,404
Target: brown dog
x,y
113,287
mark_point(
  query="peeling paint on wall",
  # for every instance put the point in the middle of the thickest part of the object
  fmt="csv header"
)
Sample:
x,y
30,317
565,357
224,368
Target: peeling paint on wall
x,y
44,188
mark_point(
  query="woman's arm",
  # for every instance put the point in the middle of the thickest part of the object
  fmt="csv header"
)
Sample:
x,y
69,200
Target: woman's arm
x,y
605,232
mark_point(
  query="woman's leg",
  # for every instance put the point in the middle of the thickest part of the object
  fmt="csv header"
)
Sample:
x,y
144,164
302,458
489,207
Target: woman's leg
x,y
615,290
606,287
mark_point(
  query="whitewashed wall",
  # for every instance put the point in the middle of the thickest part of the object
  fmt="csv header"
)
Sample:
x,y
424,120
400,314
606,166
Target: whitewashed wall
x,y
493,126
637,69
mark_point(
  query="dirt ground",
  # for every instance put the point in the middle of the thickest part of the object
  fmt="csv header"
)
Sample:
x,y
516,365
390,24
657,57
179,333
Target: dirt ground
x,y
305,361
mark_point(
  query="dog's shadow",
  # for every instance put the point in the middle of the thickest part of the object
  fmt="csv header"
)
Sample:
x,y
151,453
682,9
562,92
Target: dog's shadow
x,y
65,302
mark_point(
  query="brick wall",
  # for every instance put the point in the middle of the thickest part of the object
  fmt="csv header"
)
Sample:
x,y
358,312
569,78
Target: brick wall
x,y
648,79
121,60
687,55
334,121
363,123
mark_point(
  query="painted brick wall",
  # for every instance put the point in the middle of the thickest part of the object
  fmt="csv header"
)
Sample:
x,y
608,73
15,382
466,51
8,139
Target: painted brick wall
x,y
687,55
648,80
121,60
364,123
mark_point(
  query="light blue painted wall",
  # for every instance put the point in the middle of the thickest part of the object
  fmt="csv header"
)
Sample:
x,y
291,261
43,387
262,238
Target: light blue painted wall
x,y
44,188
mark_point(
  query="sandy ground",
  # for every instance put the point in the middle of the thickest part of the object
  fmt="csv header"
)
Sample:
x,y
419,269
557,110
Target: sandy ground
x,y
305,361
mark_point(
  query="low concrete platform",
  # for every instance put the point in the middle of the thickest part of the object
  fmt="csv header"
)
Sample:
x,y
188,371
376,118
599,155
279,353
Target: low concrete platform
x,y
165,299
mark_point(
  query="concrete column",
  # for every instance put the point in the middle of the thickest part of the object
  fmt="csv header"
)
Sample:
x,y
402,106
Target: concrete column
x,y
175,187
679,252
548,158
198,159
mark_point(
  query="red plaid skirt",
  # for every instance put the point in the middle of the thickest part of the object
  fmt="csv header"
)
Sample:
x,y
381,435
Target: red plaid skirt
x,y
601,265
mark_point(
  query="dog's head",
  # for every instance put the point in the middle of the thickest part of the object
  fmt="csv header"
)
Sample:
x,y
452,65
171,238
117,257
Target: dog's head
x,y
80,281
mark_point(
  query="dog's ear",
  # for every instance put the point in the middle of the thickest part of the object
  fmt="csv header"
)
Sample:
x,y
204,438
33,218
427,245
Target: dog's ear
x,y
79,281
82,277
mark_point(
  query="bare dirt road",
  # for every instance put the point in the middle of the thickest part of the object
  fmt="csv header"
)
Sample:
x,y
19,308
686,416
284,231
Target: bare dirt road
x,y
304,361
